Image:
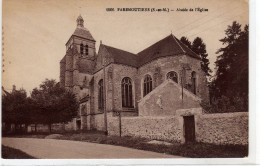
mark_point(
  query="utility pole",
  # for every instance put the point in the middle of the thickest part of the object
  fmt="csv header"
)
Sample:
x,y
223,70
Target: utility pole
x,y
104,94
182,79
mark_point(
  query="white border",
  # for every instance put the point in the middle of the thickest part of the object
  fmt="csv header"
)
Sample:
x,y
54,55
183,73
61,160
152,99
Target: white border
x,y
254,148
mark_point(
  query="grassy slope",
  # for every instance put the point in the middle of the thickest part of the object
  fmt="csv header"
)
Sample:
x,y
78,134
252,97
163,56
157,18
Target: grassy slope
x,y
11,153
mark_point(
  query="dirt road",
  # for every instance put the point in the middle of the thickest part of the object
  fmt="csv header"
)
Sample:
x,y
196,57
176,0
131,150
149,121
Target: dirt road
x,y
61,149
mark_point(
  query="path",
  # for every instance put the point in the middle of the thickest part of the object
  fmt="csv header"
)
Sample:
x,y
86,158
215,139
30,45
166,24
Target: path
x,y
61,149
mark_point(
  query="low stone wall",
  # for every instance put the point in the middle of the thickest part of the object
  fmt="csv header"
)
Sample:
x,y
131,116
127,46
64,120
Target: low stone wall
x,y
222,128
160,128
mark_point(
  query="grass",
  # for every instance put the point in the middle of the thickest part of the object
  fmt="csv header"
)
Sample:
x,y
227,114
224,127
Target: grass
x,y
11,153
193,150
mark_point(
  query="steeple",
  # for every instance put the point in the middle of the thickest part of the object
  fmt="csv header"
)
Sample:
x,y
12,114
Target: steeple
x,y
80,21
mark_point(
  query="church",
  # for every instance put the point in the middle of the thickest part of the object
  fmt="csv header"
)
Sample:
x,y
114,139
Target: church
x,y
158,81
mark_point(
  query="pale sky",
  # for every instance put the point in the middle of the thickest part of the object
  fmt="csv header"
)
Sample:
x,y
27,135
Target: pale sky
x,y
35,32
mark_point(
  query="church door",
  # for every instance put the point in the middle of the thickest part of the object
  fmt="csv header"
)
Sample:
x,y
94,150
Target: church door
x,y
189,128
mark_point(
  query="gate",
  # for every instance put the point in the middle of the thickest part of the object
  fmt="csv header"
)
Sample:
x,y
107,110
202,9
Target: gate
x,y
189,129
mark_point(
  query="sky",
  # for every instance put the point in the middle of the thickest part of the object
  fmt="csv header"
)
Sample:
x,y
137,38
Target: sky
x,y
35,32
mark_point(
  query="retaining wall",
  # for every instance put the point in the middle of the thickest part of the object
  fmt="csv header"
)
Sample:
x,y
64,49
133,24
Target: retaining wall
x,y
225,128
222,128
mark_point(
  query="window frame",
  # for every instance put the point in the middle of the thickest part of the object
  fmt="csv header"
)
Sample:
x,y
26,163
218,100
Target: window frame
x,y
172,78
194,82
127,93
101,94
86,50
147,85
81,49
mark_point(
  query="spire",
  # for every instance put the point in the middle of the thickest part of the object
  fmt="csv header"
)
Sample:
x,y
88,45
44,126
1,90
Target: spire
x,y
80,21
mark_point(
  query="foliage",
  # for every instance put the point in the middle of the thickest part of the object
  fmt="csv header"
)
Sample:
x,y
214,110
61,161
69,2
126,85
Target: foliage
x,y
224,104
186,41
15,107
229,88
199,47
48,104
232,63
53,103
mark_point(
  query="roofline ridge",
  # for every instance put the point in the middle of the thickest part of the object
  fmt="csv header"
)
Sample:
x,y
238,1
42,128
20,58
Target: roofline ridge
x,y
178,43
118,49
153,44
190,49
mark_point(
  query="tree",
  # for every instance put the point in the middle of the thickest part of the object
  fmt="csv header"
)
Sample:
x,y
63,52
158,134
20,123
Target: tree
x,y
232,63
199,47
15,108
186,41
231,79
53,103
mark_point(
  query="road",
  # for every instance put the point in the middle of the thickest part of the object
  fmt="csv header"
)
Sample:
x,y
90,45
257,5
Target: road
x,y
64,149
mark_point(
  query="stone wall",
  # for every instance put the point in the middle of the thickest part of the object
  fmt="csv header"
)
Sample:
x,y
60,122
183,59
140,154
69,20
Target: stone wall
x,y
201,82
166,99
120,72
225,128
159,68
98,122
160,128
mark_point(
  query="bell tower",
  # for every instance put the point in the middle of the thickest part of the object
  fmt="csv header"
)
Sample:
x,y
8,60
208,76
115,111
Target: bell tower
x,y
80,22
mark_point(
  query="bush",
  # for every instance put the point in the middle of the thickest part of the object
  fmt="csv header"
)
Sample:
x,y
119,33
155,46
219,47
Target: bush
x,y
225,104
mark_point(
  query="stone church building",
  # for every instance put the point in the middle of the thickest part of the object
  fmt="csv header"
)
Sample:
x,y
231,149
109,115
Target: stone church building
x,y
157,81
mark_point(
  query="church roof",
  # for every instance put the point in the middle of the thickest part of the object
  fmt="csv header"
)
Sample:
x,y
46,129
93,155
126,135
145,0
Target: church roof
x,y
165,47
121,56
83,32
169,46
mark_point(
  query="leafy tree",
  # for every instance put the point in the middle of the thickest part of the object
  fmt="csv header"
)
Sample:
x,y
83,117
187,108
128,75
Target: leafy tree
x,y
199,47
231,79
232,63
15,108
53,103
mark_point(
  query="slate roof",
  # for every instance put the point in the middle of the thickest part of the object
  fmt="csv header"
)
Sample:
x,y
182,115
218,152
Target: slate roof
x,y
83,32
122,57
168,46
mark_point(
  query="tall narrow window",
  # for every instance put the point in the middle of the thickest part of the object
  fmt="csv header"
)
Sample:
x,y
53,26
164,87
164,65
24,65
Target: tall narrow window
x,y
147,84
86,49
127,96
173,76
81,49
100,95
193,81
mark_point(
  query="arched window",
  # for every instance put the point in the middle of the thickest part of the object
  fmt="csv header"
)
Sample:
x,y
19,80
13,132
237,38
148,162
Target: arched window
x,y
147,84
127,96
193,82
86,49
81,49
100,95
173,76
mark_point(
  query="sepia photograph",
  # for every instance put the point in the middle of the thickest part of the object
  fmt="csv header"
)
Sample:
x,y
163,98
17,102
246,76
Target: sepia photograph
x,y
120,79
